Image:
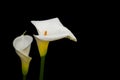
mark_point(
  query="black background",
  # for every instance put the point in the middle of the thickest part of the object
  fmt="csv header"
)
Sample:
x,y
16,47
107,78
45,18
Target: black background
x,y
65,59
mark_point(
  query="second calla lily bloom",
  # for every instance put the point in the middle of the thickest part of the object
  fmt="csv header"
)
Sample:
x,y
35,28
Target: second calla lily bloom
x,y
22,46
49,30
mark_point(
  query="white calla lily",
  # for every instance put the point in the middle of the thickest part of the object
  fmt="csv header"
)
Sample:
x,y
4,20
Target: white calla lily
x,y
49,30
22,46
52,29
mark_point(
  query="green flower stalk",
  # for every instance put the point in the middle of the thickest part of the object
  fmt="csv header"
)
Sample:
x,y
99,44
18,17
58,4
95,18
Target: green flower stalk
x,y
49,30
22,46
42,47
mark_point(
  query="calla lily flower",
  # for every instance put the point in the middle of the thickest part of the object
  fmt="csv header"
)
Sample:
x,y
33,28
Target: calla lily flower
x,y
22,46
49,30
52,29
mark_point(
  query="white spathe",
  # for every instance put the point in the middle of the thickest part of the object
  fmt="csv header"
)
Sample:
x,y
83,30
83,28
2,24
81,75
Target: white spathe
x,y
52,29
22,46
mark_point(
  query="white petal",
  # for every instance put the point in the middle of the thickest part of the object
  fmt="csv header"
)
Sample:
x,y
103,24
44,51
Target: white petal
x,y
70,34
23,57
22,44
55,30
50,38
56,37
50,25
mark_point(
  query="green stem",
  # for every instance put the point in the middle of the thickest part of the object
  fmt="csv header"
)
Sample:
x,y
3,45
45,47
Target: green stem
x,y
42,68
24,77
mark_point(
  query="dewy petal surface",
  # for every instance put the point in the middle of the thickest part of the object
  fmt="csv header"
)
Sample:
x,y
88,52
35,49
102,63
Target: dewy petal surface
x,y
54,30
